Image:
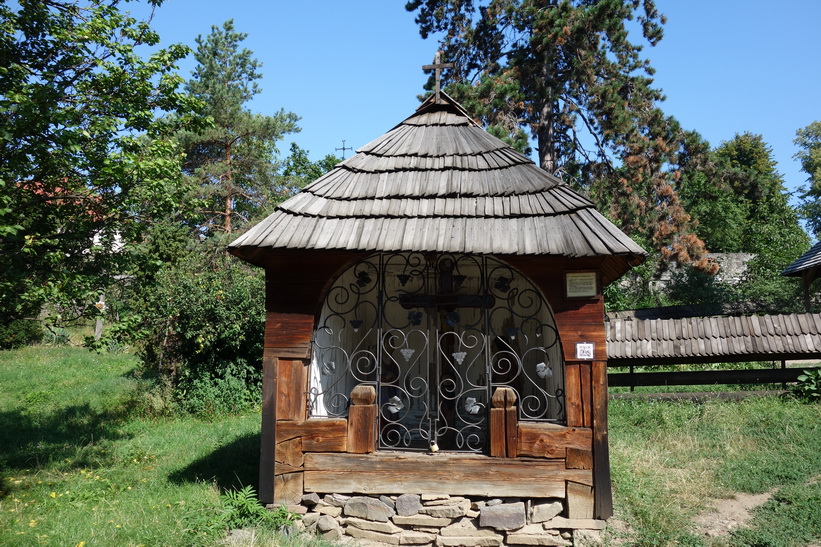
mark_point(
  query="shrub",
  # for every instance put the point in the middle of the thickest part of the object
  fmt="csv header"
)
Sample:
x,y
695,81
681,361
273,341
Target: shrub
x,y
199,322
808,386
20,332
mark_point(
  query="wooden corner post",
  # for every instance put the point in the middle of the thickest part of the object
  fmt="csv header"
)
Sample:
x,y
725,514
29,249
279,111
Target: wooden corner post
x,y
267,436
601,452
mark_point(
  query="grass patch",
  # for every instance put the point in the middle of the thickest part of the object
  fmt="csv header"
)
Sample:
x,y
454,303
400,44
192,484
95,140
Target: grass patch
x,y
670,458
81,460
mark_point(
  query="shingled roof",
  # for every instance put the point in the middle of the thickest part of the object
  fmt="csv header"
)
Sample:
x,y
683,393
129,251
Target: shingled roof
x,y
713,339
810,259
438,182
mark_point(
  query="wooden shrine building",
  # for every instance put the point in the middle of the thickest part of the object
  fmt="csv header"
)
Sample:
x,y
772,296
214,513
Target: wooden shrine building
x,y
435,325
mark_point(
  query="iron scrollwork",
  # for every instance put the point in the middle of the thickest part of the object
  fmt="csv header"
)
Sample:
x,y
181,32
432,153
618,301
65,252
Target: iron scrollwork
x,y
435,334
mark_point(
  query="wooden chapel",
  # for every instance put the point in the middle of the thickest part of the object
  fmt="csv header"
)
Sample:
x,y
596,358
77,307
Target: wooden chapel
x,y
435,325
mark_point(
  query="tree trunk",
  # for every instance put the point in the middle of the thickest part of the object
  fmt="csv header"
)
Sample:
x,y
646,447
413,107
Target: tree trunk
x,y
229,206
545,132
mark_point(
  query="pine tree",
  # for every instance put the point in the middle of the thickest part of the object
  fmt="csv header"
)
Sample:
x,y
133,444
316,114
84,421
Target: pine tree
x,y
567,71
233,164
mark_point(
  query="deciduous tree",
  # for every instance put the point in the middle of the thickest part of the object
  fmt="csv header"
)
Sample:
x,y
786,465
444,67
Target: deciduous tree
x,y
86,147
808,140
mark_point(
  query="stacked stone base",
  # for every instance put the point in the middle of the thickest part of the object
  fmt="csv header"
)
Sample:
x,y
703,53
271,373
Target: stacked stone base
x,y
442,520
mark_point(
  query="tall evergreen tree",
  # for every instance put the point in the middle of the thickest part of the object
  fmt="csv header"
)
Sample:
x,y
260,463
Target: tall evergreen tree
x,y
233,164
568,71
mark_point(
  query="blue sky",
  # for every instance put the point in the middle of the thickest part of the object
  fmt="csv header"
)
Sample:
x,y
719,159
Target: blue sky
x,y
352,70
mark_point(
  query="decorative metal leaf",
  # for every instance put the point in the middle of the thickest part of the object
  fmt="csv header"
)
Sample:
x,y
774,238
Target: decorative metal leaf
x,y
471,406
395,404
543,370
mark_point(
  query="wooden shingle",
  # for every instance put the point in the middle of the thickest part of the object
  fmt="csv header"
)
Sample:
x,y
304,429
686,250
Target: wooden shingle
x,y
438,182
713,339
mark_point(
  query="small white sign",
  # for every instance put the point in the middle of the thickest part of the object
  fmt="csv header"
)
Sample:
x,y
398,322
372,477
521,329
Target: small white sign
x,y
585,350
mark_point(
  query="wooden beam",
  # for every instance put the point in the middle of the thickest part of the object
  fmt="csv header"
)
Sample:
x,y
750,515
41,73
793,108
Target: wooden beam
x,y
288,488
579,459
586,392
579,501
443,473
289,331
573,395
289,457
292,390
318,435
511,431
361,429
707,377
551,440
268,435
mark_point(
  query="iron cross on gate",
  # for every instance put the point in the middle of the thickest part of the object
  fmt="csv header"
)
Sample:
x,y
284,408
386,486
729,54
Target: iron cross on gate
x,y
438,66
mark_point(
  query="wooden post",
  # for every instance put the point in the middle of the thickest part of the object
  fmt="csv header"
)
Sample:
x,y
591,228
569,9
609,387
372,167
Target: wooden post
x,y
504,424
603,491
362,420
511,424
268,434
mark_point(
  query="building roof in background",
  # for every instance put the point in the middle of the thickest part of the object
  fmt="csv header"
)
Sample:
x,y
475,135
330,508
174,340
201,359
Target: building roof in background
x,y
438,182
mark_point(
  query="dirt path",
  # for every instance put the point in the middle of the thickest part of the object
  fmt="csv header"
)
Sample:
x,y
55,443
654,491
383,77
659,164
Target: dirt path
x,y
729,514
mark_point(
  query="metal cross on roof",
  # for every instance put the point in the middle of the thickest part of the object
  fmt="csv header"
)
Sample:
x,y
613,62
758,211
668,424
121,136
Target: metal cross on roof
x,y
438,66
343,148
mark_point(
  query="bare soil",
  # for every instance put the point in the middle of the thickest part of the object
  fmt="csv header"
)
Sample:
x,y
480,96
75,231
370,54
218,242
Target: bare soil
x,y
729,514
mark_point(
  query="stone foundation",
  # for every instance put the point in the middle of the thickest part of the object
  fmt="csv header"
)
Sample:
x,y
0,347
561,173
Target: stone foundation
x,y
441,520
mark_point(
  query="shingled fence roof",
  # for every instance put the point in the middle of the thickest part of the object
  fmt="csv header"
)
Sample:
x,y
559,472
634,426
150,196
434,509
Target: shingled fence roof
x,y
438,182
632,341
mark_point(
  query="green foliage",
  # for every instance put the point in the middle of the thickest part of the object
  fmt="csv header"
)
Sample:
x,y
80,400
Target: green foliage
x,y
808,140
198,320
88,158
573,75
298,171
242,509
231,165
808,386
20,332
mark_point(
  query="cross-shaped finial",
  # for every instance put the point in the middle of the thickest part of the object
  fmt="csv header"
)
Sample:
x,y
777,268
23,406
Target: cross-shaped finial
x,y
438,66
344,148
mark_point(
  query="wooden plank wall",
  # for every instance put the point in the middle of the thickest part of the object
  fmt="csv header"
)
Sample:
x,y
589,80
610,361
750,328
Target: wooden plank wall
x,y
299,455
295,284
580,320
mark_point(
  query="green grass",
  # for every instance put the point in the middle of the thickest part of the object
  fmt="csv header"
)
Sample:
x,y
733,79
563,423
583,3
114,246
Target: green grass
x,y
80,460
83,458
669,459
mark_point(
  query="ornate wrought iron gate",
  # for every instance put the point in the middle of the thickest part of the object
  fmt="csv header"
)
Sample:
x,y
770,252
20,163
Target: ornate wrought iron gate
x,y
435,334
